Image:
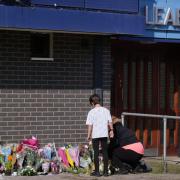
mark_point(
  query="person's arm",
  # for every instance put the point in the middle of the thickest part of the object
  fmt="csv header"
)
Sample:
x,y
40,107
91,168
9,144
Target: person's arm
x,y
110,125
89,123
118,129
111,131
89,132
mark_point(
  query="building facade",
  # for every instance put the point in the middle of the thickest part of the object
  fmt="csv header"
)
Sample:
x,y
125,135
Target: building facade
x,y
55,54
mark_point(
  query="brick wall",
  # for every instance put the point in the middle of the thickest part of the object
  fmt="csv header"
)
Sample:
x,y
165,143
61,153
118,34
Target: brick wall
x,y
107,73
48,99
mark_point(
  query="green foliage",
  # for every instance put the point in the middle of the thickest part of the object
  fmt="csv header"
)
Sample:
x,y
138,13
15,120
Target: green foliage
x,y
28,171
77,170
157,167
1,158
8,166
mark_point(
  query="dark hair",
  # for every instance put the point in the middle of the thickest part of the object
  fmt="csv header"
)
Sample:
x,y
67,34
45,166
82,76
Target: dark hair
x,y
94,99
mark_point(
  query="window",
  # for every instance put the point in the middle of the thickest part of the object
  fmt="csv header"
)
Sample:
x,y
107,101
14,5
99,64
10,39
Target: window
x,y
41,46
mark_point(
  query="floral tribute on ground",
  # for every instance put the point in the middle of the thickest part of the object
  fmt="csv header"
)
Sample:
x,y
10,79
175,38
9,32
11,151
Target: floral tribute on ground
x,y
29,159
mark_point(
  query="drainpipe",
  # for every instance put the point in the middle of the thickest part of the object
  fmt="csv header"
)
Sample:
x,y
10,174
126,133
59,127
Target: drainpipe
x,y
98,66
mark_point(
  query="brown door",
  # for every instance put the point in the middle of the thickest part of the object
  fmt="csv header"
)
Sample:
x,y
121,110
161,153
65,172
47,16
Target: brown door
x,y
146,77
176,103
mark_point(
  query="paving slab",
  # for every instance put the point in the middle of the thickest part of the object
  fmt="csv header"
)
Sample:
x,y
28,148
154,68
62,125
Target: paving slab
x,y
66,176
142,176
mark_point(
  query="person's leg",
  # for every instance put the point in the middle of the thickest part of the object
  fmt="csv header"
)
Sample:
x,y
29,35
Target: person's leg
x,y
129,157
132,158
116,158
110,150
105,154
95,143
121,156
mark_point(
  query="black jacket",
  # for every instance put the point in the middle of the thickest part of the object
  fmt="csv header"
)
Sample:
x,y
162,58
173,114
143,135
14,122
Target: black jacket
x,y
122,136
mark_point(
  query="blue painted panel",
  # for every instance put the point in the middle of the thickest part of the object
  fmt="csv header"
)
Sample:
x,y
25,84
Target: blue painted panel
x,y
147,39
70,20
68,3
173,35
154,34
118,5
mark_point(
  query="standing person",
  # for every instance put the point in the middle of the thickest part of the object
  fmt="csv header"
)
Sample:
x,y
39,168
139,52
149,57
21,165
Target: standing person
x,y
98,120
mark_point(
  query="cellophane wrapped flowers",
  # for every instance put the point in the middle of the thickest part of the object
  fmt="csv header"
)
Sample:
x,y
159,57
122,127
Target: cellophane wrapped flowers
x,y
28,171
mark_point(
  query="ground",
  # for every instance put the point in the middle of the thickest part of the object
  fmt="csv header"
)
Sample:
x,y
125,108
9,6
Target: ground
x,y
65,176
157,173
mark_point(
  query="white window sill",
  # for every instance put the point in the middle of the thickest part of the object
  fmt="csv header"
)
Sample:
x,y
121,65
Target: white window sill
x,y
41,59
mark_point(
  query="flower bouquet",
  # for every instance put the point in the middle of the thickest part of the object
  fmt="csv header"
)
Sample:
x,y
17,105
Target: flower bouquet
x,y
8,168
30,157
45,167
2,159
55,167
28,171
20,159
86,154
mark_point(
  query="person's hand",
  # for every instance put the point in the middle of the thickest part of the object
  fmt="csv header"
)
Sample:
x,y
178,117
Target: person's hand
x,y
88,138
111,134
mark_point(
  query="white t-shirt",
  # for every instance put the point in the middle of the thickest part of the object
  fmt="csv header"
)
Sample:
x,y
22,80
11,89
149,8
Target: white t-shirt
x,y
99,117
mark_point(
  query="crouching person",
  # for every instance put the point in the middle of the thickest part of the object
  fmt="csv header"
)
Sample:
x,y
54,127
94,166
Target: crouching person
x,y
124,148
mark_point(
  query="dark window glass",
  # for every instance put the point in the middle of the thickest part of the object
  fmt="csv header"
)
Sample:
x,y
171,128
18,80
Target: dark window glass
x,y
40,44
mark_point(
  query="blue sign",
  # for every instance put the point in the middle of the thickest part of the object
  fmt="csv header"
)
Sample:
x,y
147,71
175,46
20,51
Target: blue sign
x,y
162,18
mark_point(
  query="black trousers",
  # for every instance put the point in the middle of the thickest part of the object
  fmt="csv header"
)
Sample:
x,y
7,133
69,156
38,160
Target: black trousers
x,y
104,146
120,155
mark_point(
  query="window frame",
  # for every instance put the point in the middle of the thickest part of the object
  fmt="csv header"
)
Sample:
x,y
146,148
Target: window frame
x,y
50,58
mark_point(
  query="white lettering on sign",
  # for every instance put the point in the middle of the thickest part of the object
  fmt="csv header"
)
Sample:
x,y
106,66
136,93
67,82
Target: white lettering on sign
x,y
162,16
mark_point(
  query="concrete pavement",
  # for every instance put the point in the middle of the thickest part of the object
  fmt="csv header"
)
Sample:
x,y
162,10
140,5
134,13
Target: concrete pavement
x,y
66,176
